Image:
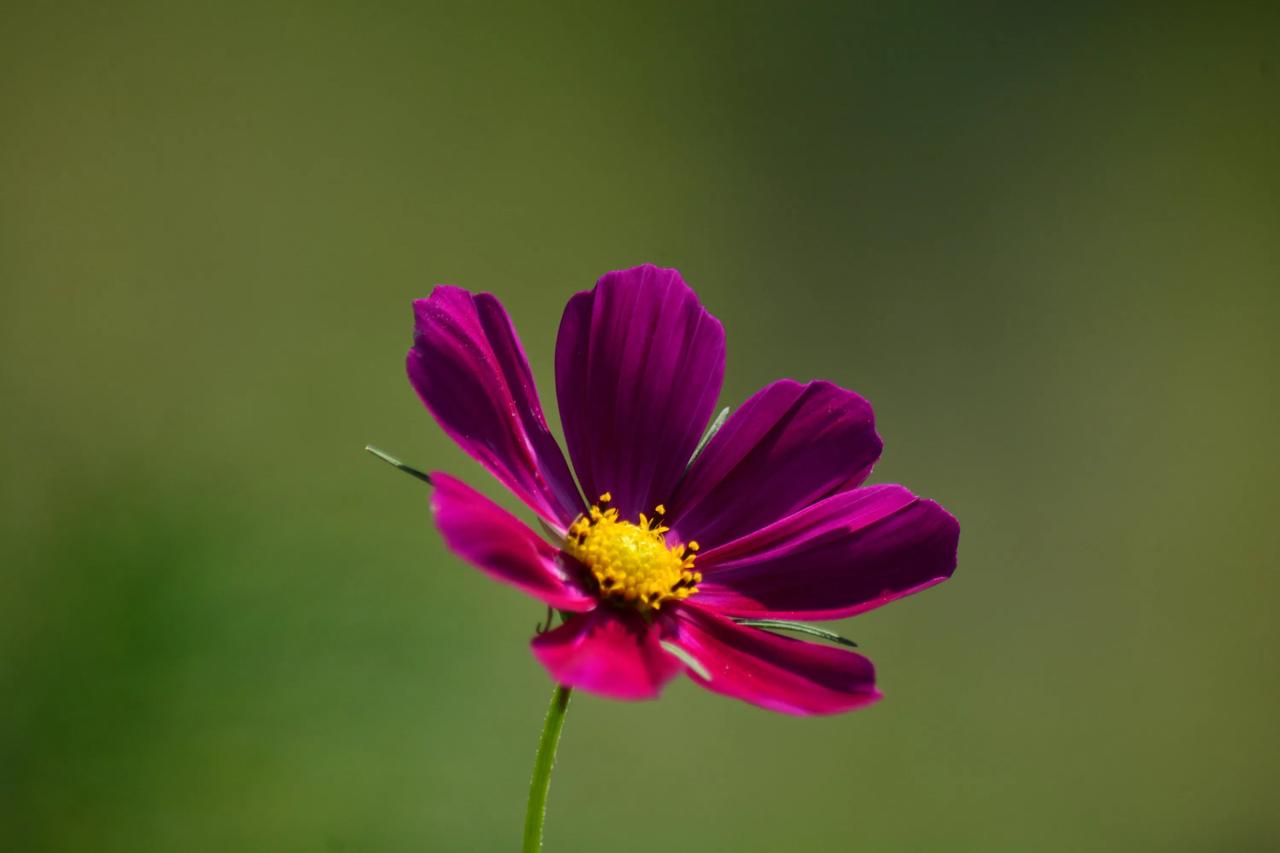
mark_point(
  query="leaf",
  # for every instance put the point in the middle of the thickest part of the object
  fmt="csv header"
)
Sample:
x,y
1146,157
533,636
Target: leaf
x,y
391,460
709,434
686,659
799,628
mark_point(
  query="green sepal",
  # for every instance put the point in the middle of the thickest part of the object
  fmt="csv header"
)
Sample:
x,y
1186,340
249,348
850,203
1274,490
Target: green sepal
x,y
798,628
552,534
686,659
709,434
394,462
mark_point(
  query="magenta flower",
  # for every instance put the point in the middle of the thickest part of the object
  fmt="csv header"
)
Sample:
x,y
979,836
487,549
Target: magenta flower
x,y
770,520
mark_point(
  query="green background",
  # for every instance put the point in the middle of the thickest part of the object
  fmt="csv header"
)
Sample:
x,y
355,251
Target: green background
x,y
1042,243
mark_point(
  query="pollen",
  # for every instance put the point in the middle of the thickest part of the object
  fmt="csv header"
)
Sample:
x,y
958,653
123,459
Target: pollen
x,y
631,562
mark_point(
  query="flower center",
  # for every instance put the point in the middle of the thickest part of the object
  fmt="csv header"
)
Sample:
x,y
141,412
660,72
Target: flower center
x,y
632,563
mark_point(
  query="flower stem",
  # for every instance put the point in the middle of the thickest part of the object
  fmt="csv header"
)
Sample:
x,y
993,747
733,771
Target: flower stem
x,y
536,814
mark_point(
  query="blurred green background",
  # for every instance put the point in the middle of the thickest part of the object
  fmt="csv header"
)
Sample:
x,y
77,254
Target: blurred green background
x,y
1042,243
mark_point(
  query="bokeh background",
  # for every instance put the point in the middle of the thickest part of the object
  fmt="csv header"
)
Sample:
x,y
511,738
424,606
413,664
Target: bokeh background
x,y
1042,242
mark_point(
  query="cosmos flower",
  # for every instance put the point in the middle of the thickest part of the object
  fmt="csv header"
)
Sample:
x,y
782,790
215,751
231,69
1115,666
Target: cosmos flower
x,y
768,521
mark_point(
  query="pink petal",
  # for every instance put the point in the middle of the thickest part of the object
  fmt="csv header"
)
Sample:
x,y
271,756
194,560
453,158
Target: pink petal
x,y
610,651
639,364
497,542
468,367
788,446
847,554
774,672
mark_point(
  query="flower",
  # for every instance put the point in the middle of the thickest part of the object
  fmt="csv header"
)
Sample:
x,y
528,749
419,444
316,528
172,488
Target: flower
x,y
769,520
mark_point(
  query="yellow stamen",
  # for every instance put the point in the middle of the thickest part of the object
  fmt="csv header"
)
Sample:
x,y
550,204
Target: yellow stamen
x,y
632,563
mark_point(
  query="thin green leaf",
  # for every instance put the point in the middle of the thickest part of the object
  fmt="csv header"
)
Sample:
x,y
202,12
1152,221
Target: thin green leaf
x,y
686,659
709,434
391,460
799,628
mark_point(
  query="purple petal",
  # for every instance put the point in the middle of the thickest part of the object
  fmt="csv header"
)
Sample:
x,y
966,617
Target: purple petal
x,y
774,672
847,554
639,364
788,446
483,533
468,367
609,651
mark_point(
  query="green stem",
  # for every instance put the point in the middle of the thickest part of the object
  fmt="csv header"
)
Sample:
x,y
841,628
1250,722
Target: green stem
x,y
536,814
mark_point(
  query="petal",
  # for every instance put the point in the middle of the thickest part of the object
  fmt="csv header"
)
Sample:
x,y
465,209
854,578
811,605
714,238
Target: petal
x,y
639,364
609,651
849,553
468,367
774,672
483,533
788,446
